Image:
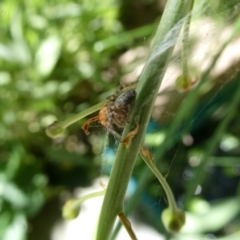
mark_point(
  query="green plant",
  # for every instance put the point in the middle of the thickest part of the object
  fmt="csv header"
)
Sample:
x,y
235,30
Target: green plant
x,y
59,58
149,82
147,90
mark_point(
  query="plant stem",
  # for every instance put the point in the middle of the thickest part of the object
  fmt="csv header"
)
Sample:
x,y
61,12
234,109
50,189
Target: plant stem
x,y
184,53
90,195
57,128
82,114
147,90
163,182
72,207
127,226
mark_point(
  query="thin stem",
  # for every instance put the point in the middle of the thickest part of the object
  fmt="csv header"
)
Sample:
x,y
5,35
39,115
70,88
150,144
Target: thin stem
x,y
91,195
57,128
163,182
185,52
81,115
72,207
127,226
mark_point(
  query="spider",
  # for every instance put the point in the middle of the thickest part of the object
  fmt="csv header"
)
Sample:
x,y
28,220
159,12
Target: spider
x,y
114,114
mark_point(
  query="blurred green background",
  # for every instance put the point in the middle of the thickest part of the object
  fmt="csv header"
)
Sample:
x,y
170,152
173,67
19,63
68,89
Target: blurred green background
x,y
60,57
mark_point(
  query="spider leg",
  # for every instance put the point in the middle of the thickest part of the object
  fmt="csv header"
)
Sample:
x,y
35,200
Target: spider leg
x,y
110,128
87,123
114,133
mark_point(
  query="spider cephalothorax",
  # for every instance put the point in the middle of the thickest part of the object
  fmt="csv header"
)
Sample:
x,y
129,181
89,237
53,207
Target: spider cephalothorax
x,y
114,114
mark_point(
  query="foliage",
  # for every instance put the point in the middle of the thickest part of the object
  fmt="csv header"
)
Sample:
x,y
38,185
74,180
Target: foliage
x,y
50,70
58,58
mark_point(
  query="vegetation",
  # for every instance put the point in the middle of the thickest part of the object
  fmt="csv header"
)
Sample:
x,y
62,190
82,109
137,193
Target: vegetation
x,y
59,60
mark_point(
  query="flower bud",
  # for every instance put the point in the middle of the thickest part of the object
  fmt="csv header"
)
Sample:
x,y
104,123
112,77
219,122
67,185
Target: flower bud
x,y
54,130
184,84
71,209
173,220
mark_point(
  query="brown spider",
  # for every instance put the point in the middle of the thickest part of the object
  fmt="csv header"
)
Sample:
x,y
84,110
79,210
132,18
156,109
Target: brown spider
x,y
113,115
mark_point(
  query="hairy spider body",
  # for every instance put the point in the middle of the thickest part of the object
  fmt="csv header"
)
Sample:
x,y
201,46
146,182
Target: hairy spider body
x,y
114,114
119,110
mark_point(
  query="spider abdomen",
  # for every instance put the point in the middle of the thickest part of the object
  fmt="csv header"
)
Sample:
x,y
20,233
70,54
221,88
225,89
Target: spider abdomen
x,y
119,110
125,99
